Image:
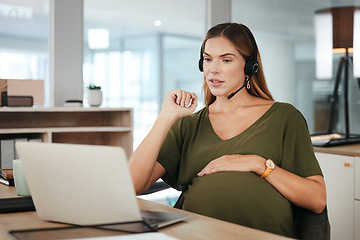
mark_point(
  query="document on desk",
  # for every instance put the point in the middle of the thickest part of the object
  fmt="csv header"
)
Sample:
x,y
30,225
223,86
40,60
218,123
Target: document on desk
x,y
139,236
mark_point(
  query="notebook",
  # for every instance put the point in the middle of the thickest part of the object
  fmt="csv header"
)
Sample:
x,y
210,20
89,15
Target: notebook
x,y
84,185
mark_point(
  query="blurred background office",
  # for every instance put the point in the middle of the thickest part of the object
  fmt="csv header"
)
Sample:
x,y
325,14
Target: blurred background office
x,y
137,50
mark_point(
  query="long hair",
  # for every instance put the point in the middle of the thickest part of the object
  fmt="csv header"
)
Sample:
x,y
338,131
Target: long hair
x,y
239,35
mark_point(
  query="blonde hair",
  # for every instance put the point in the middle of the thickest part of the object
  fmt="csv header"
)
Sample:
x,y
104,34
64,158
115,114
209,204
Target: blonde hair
x,y
239,35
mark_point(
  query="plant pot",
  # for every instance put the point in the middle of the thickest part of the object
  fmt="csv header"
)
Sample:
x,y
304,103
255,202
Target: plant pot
x,y
94,97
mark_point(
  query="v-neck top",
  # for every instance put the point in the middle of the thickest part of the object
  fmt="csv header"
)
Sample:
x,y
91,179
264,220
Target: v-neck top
x,y
212,127
280,134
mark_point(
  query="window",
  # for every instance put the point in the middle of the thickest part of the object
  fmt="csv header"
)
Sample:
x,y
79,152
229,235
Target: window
x,y
24,41
285,34
141,71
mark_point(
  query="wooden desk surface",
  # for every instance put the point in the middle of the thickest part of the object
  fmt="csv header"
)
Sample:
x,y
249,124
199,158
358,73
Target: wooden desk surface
x,y
347,150
195,227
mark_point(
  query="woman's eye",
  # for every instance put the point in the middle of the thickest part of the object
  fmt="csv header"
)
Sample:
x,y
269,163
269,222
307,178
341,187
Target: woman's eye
x,y
227,60
207,59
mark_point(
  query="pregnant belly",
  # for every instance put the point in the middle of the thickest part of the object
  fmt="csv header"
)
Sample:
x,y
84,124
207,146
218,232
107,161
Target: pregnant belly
x,y
239,197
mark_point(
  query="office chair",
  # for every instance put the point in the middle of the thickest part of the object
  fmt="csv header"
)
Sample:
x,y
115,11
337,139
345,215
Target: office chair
x,y
309,225
157,186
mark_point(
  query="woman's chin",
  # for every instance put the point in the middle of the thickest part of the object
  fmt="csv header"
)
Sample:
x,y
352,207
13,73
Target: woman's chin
x,y
219,93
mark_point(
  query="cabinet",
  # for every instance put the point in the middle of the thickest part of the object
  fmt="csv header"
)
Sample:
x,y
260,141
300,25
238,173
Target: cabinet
x,y
357,220
94,126
357,198
341,169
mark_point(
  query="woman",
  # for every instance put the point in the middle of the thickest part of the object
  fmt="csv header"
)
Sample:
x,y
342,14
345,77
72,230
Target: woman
x,y
243,158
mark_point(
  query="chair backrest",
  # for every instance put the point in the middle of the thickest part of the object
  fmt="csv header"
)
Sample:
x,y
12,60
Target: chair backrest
x,y
309,225
179,203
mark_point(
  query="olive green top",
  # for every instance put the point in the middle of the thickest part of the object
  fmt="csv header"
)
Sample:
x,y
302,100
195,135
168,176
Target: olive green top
x,y
281,134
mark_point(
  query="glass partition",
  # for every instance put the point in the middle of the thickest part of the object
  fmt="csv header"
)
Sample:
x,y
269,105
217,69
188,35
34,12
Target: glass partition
x,y
180,65
140,72
285,32
24,40
152,48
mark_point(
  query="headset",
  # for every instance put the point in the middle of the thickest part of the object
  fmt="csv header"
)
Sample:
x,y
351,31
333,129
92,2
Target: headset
x,y
251,65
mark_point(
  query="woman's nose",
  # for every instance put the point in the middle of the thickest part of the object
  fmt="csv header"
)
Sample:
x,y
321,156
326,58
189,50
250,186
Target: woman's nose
x,y
214,67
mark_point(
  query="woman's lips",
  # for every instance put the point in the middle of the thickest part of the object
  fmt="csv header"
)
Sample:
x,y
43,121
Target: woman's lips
x,y
216,82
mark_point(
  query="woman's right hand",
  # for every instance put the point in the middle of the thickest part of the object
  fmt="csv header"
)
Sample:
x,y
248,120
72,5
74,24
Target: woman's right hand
x,y
145,170
179,103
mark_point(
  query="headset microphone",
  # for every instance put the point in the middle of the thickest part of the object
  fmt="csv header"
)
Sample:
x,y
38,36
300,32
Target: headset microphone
x,y
247,78
231,95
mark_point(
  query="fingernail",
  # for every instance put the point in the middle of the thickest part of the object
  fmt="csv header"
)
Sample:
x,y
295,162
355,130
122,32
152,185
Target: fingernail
x,y
189,103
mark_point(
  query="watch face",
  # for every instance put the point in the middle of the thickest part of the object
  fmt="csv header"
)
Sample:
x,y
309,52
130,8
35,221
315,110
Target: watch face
x,y
270,164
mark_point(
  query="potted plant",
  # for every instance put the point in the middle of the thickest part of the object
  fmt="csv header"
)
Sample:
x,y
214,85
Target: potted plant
x,y
94,95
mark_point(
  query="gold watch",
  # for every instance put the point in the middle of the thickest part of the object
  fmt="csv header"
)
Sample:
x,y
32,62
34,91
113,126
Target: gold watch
x,y
270,165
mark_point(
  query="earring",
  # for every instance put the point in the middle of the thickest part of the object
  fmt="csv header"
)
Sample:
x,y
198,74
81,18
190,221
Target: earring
x,y
247,83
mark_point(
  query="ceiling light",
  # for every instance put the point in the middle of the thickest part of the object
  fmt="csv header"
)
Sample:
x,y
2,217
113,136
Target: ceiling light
x,y
157,23
98,38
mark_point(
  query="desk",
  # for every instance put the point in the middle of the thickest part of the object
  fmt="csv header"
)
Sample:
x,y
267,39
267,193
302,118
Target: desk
x,y
195,227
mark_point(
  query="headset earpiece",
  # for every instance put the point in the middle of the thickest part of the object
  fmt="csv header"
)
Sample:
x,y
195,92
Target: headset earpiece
x,y
201,61
251,65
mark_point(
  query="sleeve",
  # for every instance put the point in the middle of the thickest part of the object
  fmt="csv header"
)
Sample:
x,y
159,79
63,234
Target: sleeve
x,y
169,155
298,154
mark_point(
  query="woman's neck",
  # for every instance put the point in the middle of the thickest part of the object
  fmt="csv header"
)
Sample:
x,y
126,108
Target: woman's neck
x,y
239,101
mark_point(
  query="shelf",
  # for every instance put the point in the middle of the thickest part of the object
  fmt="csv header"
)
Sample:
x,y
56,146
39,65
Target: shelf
x,y
64,129
95,126
64,117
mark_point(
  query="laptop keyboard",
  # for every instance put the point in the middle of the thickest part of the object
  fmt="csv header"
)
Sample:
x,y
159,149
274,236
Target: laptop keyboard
x,y
153,221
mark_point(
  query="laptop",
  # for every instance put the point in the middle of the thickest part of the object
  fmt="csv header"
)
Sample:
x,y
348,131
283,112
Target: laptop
x,y
84,185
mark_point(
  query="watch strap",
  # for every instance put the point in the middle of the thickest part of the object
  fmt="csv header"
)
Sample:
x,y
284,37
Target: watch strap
x,y
267,171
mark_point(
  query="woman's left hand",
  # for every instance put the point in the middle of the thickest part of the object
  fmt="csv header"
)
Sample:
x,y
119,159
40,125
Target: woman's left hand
x,y
236,162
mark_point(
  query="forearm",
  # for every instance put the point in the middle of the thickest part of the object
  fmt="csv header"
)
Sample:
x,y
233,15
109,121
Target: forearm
x,y
308,192
142,161
143,167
